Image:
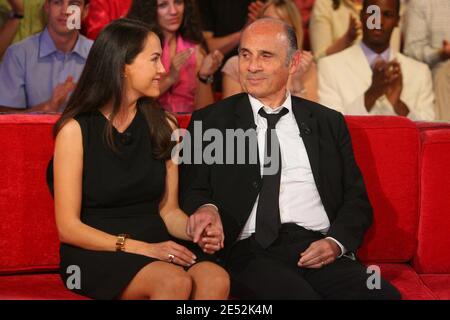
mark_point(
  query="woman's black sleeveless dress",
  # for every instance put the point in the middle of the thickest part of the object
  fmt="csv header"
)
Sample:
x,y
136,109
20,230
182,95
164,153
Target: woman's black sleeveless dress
x,y
121,194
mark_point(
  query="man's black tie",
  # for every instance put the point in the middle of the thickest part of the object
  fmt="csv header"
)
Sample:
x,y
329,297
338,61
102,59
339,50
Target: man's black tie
x,y
268,220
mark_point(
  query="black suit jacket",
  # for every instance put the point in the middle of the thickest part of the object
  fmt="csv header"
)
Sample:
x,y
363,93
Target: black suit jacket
x,y
233,188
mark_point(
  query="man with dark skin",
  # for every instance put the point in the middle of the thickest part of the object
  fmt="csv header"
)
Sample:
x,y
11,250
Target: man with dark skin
x,y
371,77
387,77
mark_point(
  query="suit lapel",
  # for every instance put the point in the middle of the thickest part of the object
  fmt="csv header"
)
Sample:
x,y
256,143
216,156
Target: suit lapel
x,y
305,121
243,112
357,62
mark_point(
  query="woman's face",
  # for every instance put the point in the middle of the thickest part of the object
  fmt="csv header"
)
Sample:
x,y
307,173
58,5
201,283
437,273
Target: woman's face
x,y
142,77
170,14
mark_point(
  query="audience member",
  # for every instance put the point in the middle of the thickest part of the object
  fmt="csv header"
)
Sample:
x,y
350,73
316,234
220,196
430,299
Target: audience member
x,y
19,19
428,40
372,78
186,86
38,74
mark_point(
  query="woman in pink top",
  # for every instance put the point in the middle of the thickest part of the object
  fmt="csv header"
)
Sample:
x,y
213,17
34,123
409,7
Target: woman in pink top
x,y
186,86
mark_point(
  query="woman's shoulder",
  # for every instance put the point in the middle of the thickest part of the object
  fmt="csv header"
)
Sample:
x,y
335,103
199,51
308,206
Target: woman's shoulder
x,y
77,126
70,128
69,137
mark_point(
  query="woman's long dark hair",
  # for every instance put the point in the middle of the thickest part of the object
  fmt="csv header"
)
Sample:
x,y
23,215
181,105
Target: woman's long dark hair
x,y
190,29
101,82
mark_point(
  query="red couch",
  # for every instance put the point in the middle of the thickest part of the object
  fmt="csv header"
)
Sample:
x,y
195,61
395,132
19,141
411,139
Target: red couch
x,y
405,166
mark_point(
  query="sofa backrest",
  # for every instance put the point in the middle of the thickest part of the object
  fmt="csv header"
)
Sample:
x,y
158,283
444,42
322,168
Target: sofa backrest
x,y
29,240
386,149
433,250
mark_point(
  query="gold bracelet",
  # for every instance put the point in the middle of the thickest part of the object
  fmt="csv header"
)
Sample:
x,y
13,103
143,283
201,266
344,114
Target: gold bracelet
x,y
120,243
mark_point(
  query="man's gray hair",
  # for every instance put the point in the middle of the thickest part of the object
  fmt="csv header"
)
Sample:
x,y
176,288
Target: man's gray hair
x,y
292,41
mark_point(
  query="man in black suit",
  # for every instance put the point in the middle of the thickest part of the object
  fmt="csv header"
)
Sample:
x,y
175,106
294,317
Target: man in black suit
x,y
290,232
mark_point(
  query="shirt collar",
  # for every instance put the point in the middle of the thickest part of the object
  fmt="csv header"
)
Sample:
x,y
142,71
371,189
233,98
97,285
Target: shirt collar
x,y
256,105
47,46
372,55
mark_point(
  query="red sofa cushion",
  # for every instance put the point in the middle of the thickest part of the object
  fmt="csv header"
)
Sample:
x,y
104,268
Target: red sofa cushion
x,y
439,284
386,150
433,253
29,240
35,287
406,280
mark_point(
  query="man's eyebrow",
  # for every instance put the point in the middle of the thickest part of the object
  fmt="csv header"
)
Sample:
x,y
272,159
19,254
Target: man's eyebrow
x,y
156,53
266,52
243,50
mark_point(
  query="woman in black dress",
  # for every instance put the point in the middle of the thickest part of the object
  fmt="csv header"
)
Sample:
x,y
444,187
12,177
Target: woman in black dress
x,y
115,186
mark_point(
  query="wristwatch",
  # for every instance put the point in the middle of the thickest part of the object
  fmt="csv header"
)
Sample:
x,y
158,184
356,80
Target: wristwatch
x,y
120,243
15,15
206,80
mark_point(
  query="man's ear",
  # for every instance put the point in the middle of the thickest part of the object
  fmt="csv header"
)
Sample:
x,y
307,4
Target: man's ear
x,y
46,7
85,11
295,62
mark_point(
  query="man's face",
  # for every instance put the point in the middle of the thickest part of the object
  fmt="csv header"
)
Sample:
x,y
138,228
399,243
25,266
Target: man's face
x,y
263,63
389,20
57,15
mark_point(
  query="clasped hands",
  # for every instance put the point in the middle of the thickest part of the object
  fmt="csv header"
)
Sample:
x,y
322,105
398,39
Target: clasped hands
x,y
205,228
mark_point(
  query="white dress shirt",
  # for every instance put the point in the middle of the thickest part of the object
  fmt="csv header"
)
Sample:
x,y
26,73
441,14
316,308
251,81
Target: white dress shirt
x,y
300,201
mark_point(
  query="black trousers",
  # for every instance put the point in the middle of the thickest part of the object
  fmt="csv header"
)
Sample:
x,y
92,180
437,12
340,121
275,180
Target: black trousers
x,y
273,273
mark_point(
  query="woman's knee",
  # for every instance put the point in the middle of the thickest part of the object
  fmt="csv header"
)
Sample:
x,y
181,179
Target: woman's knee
x,y
211,277
179,281
162,280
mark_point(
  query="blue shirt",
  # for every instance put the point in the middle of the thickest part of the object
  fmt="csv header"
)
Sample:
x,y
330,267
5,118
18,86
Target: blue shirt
x,y
372,56
32,68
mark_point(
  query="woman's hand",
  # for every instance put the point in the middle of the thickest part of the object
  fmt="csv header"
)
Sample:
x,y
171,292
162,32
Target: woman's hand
x,y
178,61
253,11
169,251
306,61
211,63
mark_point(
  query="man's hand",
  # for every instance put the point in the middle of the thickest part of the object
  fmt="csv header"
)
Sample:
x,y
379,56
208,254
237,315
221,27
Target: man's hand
x,y
379,84
59,96
394,91
319,254
395,78
17,6
205,216
210,240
